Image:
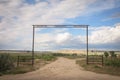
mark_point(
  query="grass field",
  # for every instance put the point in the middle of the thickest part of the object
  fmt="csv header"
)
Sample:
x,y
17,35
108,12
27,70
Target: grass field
x,y
110,66
39,61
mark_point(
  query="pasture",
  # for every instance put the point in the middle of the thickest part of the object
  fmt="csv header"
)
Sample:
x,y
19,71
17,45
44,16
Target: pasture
x,y
24,63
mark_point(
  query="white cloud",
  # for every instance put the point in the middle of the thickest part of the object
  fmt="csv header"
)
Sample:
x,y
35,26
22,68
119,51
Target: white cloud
x,y
105,35
62,38
18,18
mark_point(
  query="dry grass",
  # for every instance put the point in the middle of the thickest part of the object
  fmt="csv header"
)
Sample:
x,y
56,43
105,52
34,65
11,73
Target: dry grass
x,y
71,51
27,67
99,69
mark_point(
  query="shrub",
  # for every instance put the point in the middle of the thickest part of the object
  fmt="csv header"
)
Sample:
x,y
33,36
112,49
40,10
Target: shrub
x,y
106,54
47,57
112,53
113,62
74,54
6,62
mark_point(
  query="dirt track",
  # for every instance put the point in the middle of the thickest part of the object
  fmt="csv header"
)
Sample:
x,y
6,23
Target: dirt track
x,y
61,69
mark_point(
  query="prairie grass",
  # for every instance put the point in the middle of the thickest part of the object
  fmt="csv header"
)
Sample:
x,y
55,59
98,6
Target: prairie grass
x,y
11,59
110,67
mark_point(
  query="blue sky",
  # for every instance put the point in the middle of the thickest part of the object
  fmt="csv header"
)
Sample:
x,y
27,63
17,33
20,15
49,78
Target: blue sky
x,y
18,16
98,19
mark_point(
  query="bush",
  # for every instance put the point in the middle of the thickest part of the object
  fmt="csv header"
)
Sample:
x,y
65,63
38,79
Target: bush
x,y
113,62
6,62
61,54
106,54
47,57
74,54
112,53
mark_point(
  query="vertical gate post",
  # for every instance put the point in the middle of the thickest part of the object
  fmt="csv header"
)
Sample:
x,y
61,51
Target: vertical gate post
x,y
87,42
33,47
18,61
102,61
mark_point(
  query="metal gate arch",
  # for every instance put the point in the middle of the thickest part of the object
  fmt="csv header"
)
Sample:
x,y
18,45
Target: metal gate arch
x,y
59,26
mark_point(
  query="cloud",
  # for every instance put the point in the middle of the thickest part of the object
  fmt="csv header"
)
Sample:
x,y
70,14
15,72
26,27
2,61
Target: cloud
x,y
105,37
18,17
63,37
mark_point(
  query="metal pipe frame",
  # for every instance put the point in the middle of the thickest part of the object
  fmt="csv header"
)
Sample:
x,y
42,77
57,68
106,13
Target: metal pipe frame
x,y
59,26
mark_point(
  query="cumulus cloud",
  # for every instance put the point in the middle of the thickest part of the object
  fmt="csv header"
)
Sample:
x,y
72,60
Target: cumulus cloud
x,y
63,37
58,40
105,37
18,16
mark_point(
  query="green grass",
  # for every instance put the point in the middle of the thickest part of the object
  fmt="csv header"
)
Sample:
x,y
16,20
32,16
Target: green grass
x,y
112,70
6,62
40,60
47,57
19,70
115,62
75,57
70,56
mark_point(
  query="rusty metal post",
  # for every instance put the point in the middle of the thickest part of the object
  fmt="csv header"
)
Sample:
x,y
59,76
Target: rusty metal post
x,y
33,46
87,42
102,60
18,61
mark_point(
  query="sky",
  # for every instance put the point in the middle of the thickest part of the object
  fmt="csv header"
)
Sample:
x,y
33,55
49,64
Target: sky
x,y
18,16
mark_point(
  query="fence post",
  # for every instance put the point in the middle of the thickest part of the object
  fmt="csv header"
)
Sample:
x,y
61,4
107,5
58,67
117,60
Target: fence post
x,y
102,61
18,61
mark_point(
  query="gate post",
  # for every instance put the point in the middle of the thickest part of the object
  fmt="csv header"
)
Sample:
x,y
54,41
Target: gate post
x,y
18,61
33,46
87,41
102,60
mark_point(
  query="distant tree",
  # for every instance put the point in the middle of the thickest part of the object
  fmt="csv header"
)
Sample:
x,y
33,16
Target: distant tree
x,y
112,53
28,51
106,54
74,54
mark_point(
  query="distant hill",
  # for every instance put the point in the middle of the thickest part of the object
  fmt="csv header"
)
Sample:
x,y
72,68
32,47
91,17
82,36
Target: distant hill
x,y
71,51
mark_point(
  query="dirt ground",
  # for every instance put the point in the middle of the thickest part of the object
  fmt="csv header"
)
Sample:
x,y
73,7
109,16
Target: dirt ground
x,y
61,69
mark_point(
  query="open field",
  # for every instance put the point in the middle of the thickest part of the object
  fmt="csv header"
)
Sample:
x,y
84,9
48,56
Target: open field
x,y
105,69
61,69
91,52
26,65
47,66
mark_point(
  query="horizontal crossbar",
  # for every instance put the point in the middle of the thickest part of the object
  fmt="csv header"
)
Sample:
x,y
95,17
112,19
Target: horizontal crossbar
x,y
60,26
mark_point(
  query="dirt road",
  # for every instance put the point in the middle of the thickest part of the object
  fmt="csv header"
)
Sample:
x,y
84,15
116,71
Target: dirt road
x,y
61,69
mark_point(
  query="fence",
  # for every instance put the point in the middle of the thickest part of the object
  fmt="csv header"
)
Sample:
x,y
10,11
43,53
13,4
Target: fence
x,y
95,59
24,60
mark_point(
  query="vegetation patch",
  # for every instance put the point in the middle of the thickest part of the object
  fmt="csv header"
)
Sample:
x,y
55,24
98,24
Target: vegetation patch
x,y
115,62
70,56
8,62
112,70
46,57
